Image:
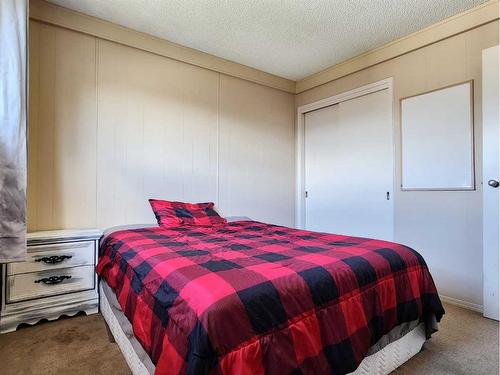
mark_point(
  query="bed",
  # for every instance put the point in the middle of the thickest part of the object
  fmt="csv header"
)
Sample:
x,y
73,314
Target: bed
x,y
255,298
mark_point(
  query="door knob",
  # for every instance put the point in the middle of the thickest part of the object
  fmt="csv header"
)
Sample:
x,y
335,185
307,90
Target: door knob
x,y
493,183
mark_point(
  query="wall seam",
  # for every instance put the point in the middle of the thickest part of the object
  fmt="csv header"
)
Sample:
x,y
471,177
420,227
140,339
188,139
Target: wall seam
x,y
96,58
217,188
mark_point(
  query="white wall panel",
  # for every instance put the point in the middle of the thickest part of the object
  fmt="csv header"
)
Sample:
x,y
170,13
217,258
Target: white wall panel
x,y
256,152
157,133
111,126
62,129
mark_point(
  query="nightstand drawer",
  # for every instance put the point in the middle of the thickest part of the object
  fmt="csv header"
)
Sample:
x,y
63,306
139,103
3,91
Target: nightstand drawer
x,y
54,256
34,285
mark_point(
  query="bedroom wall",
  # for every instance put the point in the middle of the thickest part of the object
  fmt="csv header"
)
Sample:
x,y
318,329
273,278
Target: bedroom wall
x,y
445,227
111,126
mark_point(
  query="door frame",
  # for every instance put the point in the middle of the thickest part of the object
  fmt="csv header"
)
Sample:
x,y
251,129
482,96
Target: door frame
x,y
300,198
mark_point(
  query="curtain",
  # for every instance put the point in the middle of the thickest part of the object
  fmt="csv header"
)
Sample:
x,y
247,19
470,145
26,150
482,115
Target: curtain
x,y
13,51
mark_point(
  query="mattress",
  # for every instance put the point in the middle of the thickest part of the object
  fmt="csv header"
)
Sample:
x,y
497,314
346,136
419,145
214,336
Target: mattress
x,y
250,297
392,350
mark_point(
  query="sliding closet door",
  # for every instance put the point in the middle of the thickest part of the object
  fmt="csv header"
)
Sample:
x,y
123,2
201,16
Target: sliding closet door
x,y
349,167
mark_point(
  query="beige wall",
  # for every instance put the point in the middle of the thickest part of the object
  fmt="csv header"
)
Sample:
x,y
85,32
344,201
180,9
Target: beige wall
x,y
111,126
445,227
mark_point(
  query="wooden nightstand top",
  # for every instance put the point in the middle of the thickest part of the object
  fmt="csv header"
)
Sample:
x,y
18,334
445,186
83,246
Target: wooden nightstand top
x,y
65,235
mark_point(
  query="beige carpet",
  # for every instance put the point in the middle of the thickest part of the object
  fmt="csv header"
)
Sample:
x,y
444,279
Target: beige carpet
x,y
465,344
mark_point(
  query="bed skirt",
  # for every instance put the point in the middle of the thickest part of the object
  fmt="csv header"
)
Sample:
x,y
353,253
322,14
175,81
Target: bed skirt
x,y
388,353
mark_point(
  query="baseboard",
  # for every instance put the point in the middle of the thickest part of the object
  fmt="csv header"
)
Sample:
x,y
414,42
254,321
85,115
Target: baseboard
x,y
460,303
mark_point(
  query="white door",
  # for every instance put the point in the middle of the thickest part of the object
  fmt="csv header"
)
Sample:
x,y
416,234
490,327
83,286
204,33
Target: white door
x,y
349,167
491,176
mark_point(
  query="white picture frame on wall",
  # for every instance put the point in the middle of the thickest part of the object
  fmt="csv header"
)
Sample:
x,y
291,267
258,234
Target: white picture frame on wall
x,y
437,139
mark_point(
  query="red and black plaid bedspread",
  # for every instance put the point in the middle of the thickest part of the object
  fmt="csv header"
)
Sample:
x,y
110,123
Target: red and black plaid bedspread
x,y
254,298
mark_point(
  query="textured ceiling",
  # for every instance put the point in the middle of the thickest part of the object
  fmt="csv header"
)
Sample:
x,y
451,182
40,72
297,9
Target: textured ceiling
x,y
289,38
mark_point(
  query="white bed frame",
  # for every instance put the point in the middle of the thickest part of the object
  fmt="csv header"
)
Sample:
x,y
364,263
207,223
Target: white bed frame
x,y
382,362
120,337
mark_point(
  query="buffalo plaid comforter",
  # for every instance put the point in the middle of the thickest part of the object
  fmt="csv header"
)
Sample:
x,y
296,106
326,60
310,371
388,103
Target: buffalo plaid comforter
x,y
254,298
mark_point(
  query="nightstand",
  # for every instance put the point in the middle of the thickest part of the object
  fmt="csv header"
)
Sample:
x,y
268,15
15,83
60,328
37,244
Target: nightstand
x,y
57,278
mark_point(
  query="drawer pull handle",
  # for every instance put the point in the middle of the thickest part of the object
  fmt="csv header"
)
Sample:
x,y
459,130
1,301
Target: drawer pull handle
x,y
53,279
54,259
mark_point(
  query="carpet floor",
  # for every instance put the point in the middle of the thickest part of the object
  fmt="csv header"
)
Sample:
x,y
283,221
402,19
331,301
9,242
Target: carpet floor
x,y
466,343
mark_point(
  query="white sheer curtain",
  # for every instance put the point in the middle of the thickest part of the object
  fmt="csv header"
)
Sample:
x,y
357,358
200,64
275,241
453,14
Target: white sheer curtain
x,y
13,51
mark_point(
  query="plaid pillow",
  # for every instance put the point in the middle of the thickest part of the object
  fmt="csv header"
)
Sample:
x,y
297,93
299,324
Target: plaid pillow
x,y
166,217
176,213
